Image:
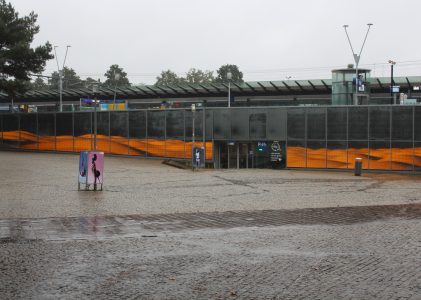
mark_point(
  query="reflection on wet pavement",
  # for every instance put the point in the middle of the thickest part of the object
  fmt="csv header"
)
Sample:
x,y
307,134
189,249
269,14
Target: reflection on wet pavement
x,y
112,227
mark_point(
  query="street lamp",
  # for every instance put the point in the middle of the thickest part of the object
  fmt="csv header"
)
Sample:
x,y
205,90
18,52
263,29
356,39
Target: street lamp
x,y
61,75
95,91
356,59
392,63
193,110
116,78
229,77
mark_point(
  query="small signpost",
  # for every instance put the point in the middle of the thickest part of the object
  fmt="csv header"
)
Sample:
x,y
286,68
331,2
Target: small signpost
x,y
91,169
275,153
198,157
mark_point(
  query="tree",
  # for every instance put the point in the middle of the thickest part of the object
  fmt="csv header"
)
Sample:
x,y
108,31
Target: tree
x,y
89,81
70,79
199,76
237,76
17,59
169,78
39,84
111,79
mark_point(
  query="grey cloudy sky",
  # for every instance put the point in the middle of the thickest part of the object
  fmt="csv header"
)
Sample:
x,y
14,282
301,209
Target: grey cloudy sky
x,y
267,39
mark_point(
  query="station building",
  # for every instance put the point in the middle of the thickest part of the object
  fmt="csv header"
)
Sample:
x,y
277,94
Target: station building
x,y
323,124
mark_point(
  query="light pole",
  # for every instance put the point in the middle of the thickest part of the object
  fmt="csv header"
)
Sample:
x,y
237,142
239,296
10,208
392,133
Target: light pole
x,y
193,110
116,78
95,91
229,77
392,63
356,59
61,75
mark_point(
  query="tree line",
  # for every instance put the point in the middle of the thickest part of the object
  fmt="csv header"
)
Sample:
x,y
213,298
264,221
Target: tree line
x,y
71,79
196,76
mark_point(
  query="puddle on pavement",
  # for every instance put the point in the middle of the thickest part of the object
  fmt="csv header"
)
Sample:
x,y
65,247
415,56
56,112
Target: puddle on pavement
x,y
143,226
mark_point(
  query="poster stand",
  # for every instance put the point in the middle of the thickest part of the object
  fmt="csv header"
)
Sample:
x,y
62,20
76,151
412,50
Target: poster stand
x,y
198,157
91,170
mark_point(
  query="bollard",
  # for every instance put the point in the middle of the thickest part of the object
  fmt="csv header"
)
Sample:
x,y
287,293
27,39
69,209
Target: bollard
x,y
358,166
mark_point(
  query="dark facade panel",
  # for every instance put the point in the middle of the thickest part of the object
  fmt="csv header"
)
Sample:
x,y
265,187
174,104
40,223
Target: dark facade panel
x,y
10,122
296,123
64,124
103,123
46,125
336,123
28,123
82,124
277,124
316,124
358,123
156,124
175,124
119,124
221,124
379,123
417,125
402,123
257,124
137,124
209,124
198,125
240,124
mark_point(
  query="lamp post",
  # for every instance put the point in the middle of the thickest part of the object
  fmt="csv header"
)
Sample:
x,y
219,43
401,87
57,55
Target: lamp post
x,y
95,91
356,59
229,77
116,78
193,110
392,63
60,74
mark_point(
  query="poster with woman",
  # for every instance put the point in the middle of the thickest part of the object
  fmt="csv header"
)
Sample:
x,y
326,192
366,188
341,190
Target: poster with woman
x,y
91,169
96,167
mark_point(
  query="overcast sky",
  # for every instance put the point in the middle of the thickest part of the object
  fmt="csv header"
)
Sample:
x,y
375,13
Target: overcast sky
x,y
267,39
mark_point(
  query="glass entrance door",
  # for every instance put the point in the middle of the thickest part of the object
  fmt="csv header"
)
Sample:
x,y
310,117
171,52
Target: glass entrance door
x,y
232,155
223,155
243,155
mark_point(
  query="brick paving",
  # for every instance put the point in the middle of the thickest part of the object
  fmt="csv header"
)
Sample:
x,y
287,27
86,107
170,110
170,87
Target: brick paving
x,y
378,259
161,233
134,226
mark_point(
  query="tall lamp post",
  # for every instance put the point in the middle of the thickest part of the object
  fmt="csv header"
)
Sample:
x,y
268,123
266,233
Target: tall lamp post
x,y
116,78
60,74
193,110
356,59
229,77
95,91
392,63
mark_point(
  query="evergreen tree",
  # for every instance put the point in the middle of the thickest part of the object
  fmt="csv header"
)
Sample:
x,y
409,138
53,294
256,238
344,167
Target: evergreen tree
x,y
17,59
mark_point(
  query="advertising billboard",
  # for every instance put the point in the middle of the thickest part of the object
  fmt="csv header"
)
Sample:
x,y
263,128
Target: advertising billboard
x,y
91,168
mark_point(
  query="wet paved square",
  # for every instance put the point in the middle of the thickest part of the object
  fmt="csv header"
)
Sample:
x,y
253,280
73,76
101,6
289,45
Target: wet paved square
x,y
156,232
